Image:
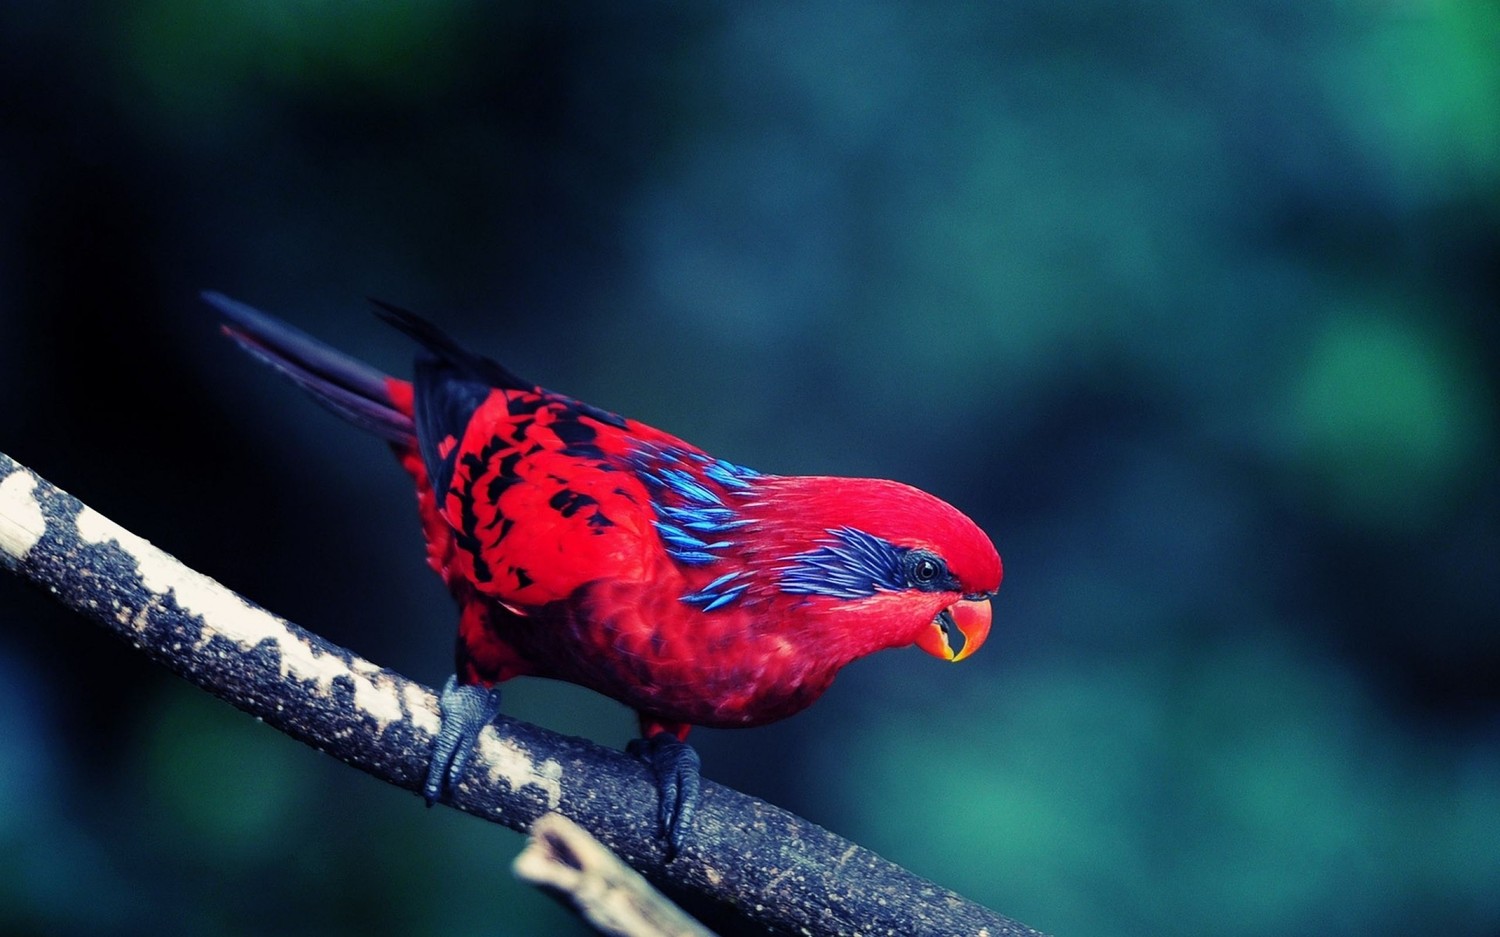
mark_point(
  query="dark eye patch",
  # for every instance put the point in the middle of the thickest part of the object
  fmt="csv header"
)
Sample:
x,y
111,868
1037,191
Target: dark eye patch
x,y
926,571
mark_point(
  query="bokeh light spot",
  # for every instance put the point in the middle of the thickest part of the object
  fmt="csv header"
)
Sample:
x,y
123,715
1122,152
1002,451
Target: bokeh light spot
x,y
1386,418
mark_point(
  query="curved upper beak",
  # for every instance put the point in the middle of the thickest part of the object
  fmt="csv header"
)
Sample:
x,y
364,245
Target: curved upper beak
x,y
958,630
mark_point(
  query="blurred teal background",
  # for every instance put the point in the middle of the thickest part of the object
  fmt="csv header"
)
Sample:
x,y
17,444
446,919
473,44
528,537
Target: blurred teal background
x,y
1192,307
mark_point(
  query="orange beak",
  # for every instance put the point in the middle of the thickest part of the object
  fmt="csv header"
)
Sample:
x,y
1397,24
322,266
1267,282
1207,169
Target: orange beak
x,y
958,630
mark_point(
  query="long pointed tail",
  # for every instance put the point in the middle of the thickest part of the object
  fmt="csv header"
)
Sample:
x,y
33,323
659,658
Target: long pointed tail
x,y
352,389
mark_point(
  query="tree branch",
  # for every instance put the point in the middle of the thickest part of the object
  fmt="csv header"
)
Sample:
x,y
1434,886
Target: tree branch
x,y
769,865
612,897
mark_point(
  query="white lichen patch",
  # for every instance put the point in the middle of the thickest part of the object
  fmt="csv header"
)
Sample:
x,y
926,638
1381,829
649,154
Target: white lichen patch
x,y
423,708
508,762
226,615
21,521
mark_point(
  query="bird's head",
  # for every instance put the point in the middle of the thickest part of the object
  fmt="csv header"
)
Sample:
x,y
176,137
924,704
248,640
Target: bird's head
x,y
896,564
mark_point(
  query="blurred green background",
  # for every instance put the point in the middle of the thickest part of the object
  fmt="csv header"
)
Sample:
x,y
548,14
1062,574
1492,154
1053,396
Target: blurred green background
x,y
1192,307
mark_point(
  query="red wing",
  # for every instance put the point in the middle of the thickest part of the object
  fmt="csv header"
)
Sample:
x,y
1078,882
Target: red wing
x,y
542,499
545,494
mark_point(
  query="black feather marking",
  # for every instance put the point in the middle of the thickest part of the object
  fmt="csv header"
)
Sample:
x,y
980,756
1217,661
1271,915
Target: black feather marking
x,y
498,486
523,405
579,439
572,431
568,502
466,533
603,416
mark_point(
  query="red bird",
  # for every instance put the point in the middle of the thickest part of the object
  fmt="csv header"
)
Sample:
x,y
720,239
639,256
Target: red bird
x,y
591,548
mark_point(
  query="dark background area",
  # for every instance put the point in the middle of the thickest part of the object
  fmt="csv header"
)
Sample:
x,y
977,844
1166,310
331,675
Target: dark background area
x,y
1193,308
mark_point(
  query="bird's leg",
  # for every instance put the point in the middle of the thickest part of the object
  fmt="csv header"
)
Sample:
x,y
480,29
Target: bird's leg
x,y
675,764
466,710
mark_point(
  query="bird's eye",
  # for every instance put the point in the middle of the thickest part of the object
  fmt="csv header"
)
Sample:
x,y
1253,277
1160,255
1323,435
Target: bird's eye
x,y
925,569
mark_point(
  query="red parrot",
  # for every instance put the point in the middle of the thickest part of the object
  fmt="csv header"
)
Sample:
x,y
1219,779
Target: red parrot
x,y
587,547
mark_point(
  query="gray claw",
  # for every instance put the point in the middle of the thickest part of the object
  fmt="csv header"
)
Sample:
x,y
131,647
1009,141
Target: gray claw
x,y
465,710
676,765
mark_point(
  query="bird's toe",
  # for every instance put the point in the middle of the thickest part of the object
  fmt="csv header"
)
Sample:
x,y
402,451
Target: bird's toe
x,y
676,765
465,711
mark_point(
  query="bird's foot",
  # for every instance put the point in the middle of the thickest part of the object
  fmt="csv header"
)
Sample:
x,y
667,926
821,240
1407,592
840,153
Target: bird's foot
x,y
466,710
675,764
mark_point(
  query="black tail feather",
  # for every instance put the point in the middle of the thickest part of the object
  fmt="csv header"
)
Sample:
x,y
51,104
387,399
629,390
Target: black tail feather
x,y
350,388
462,363
449,385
